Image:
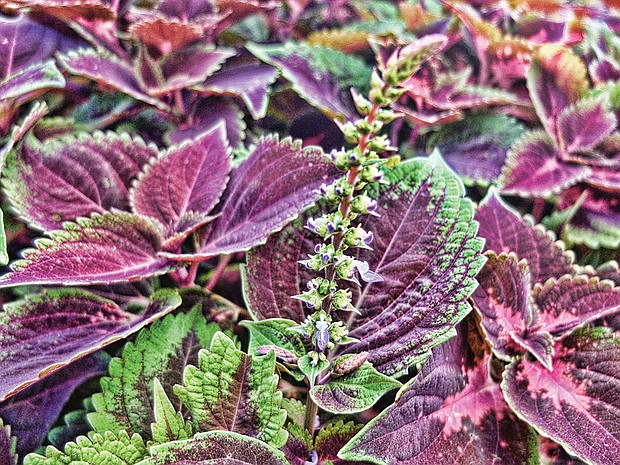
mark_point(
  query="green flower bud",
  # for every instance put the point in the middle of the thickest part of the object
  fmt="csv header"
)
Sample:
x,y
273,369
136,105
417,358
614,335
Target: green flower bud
x,y
362,104
341,300
351,134
387,116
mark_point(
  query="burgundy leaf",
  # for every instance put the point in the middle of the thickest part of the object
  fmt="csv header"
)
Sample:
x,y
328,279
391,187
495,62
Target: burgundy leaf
x,y
33,411
186,180
65,178
102,249
191,9
27,83
556,79
510,318
577,403
169,34
250,81
452,412
426,251
88,10
584,125
254,205
533,168
332,437
571,302
45,332
108,70
506,231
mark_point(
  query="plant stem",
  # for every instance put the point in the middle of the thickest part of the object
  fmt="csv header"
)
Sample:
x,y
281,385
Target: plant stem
x,y
311,411
219,271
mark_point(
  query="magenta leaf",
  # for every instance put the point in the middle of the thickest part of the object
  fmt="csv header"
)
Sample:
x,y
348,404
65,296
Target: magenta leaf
x,y
510,318
533,168
33,411
584,125
65,178
184,182
571,302
451,412
45,332
506,231
253,206
28,83
250,81
216,447
108,70
102,249
577,403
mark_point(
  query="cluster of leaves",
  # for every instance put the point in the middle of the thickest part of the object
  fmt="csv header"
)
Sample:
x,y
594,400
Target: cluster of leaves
x,y
149,160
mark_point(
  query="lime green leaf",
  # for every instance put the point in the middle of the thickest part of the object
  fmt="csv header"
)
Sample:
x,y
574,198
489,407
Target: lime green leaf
x,y
169,424
276,332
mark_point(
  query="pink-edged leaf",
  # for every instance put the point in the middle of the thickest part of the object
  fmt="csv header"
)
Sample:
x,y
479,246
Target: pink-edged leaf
x,y
556,79
510,318
313,84
44,332
250,81
68,177
77,10
109,248
206,115
186,180
184,68
584,125
506,231
533,168
254,206
8,454
571,302
429,118
577,403
451,412
33,411
108,70
27,83
427,253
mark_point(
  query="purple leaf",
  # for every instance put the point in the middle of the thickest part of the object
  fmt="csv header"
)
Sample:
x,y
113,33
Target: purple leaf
x,y
250,81
28,83
452,412
102,249
577,403
534,169
186,180
584,125
506,231
108,70
332,437
8,455
254,206
33,411
426,251
510,318
571,302
65,178
556,79
45,332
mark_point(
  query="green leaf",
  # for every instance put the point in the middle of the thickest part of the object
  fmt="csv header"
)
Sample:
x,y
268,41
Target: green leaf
x,y
216,448
4,256
310,368
160,351
106,449
295,409
275,331
169,424
232,391
354,392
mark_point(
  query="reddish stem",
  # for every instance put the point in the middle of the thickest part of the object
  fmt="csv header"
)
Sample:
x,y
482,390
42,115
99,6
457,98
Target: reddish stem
x,y
219,271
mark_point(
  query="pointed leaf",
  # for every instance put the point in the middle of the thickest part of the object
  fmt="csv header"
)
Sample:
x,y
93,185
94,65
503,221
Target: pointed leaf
x,y
108,70
533,168
577,403
118,449
160,351
253,206
556,78
4,255
277,332
250,81
584,125
8,456
216,448
233,391
186,180
30,345
33,411
505,230
353,392
571,302
62,179
28,83
103,249
452,412
332,437
426,251
510,318
169,424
